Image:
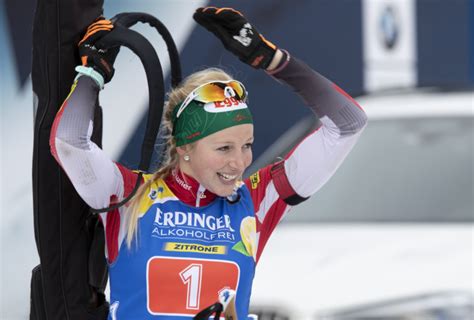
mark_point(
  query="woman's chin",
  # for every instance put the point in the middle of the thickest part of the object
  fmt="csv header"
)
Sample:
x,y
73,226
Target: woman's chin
x,y
223,192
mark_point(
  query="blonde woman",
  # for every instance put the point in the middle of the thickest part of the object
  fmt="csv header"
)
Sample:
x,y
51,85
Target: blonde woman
x,y
195,227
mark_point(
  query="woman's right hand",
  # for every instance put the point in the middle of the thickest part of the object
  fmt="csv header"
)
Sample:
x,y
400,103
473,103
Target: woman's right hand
x,y
237,35
100,60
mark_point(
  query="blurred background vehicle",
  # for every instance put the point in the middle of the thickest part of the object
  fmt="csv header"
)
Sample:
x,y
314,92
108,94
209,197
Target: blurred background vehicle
x,y
390,235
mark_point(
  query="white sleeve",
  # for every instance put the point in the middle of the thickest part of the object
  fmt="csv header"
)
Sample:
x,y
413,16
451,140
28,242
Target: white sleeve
x,y
316,159
95,177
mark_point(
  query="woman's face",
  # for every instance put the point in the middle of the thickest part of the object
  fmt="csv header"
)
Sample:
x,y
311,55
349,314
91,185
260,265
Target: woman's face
x,y
219,160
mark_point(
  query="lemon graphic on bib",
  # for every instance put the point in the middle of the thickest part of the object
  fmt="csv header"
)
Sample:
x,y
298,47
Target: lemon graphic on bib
x,y
248,233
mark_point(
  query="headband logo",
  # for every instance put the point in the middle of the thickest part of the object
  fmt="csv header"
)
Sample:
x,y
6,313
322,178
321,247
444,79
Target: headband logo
x,y
229,104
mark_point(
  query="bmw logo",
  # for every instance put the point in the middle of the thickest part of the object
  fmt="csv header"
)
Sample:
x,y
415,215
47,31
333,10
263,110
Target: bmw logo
x,y
389,28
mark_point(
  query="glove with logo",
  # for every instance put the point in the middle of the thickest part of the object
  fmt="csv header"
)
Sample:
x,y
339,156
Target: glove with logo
x,y
98,59
237,35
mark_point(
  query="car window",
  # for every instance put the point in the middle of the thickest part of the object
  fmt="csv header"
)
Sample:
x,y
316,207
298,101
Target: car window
x,y
401,170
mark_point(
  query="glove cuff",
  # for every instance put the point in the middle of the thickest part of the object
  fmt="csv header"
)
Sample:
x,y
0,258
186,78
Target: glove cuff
x,y
285,59
90,72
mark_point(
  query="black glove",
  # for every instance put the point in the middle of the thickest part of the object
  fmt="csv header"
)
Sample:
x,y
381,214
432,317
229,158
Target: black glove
x,y
100,60
237,35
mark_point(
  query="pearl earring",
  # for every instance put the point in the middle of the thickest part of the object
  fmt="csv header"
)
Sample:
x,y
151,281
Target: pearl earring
x,y
186,158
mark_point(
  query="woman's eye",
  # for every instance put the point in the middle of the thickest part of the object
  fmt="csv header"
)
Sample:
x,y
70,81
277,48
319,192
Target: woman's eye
x,y
225,148
248,145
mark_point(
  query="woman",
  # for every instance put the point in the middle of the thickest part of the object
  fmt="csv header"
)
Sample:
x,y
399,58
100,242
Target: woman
x,y
194,227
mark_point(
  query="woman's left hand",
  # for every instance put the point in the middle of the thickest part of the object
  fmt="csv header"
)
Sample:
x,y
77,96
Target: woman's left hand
x,y
237,35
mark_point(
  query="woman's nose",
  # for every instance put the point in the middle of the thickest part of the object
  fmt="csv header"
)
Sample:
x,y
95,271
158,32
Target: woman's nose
x,y
238,162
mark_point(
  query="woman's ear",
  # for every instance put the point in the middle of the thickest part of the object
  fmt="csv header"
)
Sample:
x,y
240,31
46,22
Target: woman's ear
x,y
181,150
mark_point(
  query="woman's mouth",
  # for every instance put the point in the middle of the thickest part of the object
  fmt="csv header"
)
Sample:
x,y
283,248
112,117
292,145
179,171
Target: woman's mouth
x,y
227,178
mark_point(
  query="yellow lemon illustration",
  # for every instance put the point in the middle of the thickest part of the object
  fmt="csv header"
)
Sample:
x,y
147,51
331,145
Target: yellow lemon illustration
x,y
248,232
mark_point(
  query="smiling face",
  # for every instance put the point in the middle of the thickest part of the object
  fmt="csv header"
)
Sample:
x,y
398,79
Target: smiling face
x,y
219,160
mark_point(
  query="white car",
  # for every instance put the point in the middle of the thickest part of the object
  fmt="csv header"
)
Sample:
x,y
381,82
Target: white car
x,y
390,236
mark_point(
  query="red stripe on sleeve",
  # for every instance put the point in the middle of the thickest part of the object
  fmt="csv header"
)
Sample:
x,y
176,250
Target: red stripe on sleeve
x,y
257,184
129,179
112,232
54,129
113,217
345,94
272,218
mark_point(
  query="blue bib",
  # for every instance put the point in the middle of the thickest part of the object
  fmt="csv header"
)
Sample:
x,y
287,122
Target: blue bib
x,y
183,257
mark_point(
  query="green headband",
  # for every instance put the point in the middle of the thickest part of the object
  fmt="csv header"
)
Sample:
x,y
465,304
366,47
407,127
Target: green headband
x,y
198,120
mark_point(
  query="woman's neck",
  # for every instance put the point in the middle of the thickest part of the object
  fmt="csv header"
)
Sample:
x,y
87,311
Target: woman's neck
x,y
188,189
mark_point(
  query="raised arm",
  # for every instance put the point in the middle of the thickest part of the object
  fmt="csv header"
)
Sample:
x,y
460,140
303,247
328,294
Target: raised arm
x,y
315,159
275,188
95,177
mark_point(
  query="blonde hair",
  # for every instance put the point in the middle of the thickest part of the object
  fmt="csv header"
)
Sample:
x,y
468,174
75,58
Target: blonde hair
x,y
170,157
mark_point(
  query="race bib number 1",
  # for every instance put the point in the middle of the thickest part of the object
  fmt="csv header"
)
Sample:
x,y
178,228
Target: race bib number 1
x,y
181,286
